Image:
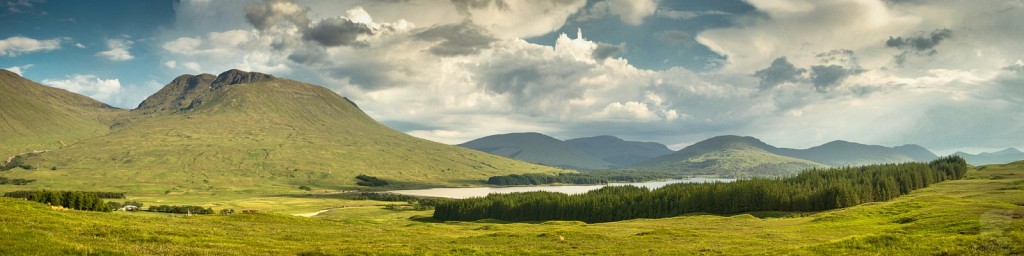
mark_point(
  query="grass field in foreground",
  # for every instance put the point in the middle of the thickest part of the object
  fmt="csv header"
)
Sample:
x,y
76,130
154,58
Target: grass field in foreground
x,y
979,215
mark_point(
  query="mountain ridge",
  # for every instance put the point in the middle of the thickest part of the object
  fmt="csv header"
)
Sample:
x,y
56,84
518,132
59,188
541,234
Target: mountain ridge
x,y
536,148
1004,156
241,130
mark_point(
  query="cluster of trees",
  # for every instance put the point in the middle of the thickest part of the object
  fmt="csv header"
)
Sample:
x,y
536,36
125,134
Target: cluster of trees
x,y
16,181
540,178
370,181
597,177
425,203
100,194
17,161
183,209
813,190
78,200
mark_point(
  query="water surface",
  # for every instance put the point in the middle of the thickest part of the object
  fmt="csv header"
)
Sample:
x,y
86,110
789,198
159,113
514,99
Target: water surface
x,y
461,193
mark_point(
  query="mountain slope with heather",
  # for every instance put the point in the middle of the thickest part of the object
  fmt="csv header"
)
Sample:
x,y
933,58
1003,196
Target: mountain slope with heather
x,y
38,117
244,129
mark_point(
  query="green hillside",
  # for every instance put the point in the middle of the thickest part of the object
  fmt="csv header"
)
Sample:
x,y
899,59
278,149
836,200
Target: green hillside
x,y
38,117
979,215
730,156
618,151
537,148
240,131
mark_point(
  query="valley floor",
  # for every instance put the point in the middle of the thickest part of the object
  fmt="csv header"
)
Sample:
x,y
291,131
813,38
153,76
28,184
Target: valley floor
x,y
983,214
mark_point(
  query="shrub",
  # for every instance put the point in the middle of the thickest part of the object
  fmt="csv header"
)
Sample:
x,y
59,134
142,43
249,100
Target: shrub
x,y
370,181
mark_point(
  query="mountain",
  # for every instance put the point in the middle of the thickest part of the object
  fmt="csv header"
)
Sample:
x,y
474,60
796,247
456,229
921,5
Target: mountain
x,y
617,151
845,153
918,153
728,155
537,148
39,117
246,130
999,157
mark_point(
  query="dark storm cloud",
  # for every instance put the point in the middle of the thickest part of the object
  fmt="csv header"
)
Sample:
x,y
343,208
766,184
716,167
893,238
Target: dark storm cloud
x,y
464,6
780,71
456,39
604,51
919,45
264,15
337,31
825,77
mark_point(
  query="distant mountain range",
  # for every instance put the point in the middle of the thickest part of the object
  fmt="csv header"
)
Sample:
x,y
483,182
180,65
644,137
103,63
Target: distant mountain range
x,y
729,155
237,130
999,157
618,151
591,153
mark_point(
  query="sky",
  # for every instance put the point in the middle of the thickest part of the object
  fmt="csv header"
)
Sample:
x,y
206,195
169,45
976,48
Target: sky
x,y
944,74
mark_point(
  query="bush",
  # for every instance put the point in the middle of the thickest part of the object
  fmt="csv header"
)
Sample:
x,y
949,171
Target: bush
x,y
370,181
6,181
182,209
306,188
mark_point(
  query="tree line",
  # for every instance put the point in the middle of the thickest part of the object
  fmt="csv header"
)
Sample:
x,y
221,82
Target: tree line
x,y
15,181
182,209
100,194
78,200
812,190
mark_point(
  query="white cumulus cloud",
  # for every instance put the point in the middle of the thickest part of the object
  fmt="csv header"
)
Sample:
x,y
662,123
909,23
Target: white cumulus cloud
x,y
88,85
117,50
17,45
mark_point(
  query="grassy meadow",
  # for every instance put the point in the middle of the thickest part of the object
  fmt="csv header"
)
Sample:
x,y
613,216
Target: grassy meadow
x,y
983,214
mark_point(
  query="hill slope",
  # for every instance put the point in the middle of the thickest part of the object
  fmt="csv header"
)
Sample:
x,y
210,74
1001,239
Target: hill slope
x,y
844,153
39,117
728,155
916,152
999,157
617,151
537,148
239,130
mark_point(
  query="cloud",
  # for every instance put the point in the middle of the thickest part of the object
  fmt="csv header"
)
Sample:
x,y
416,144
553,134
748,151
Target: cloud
x,y
88,85
604,51
631,12
825,77
17,45
456,39
19,69
117,50
687,15
337,31
268,13
16,6
919,45
464,6
780,71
